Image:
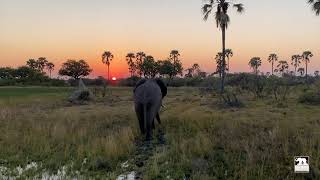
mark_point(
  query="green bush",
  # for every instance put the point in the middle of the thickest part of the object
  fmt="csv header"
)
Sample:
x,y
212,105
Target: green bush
x,y
310,97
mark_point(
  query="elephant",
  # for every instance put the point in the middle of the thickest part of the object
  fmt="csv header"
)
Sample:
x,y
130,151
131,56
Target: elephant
x,y
148,95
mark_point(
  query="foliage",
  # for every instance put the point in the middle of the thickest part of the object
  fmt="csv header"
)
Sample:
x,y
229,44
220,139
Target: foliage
x,y
255,63
75,69
315,5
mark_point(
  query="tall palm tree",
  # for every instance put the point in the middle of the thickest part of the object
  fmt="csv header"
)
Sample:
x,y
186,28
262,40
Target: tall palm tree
x,y
229,54
131,63
296,62
107,57
272,59
255,63
222,20
306,55
50,67
139,58
282,67
174,55
315,6
196,68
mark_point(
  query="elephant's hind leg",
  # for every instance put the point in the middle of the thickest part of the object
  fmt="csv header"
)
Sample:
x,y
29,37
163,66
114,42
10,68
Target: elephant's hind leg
x,y
139,112
158,118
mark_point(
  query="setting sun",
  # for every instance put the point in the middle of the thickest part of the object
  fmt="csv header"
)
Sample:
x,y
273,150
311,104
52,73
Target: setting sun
x,y
114,78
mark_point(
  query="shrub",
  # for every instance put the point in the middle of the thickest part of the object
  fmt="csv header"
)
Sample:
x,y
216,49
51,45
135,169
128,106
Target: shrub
x,y
310,97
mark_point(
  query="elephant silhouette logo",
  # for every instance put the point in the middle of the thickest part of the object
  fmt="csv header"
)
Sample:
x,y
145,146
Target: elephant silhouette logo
x,y
301,164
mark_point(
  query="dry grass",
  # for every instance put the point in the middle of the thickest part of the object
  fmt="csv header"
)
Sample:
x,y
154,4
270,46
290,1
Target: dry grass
x,y
204,141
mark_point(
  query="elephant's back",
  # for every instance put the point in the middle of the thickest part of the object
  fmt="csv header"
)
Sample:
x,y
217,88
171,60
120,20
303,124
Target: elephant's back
x,y
148,93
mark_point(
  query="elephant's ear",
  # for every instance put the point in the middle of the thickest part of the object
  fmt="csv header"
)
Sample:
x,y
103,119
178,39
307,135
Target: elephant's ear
x,y
139,83
162,86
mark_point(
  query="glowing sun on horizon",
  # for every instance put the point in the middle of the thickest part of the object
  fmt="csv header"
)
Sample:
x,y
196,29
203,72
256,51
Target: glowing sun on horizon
x,y
114,78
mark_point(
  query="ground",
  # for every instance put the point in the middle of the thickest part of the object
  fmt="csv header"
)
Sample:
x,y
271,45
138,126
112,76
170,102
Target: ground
x,y
43,135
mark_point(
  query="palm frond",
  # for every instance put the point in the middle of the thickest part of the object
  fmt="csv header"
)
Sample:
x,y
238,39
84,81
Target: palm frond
x,y
310,1
316,7
239,7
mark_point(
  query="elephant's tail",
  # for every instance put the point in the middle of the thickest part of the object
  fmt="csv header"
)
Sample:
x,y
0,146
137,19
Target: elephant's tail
x,y
145,116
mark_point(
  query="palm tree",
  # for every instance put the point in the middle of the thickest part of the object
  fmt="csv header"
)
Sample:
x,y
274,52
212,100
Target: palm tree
x,y
132,66
218,59
196,69
50,67
255,63
174,55
315,6
283,66
229,54
139,58
107,57
306,58
295,62
301,71
272,59
222,21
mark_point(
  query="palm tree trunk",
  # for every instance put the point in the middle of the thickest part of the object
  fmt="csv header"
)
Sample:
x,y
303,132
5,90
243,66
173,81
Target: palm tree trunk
x,y
108,74
272,67
306,69
223,57
295,70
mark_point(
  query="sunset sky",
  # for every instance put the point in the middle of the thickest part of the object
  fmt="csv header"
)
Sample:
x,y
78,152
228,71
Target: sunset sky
x,y
83,29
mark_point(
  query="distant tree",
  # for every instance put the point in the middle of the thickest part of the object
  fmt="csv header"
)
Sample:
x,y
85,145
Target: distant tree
x,y
196,69
295,61
50,67
41,63
306,55
222,20
301,71
32,64
316,73
166,68
229,54
150,67
189,73
202,74
315,4
139,61
272,59
131,64
292,73
219,60
268,74
75,69
7,73
283,67
107,57
255,63
174,55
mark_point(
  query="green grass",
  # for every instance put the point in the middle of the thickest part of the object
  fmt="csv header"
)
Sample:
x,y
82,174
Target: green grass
x,y
203,140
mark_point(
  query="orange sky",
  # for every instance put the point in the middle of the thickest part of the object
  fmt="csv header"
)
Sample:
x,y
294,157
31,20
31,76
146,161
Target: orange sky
x,y
79,29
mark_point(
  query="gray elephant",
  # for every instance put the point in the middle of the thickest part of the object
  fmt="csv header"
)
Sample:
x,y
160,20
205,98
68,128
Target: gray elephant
x,y
148,95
